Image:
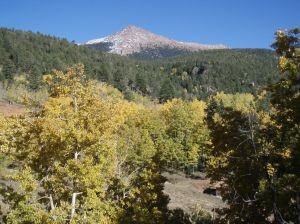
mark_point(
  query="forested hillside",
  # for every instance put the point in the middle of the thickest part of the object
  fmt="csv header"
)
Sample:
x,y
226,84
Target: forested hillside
x,y
85,154
31,55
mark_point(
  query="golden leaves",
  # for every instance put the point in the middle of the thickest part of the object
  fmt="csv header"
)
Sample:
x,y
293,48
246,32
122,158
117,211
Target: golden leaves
x,y
240,101
270,170
26,179
286,153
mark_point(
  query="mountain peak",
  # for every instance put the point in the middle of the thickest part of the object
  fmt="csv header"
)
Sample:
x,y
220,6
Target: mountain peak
x,y
132,28
133,39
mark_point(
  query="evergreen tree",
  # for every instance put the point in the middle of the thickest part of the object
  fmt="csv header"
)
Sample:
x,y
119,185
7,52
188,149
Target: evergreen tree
x,y
167,91
285,99
255,153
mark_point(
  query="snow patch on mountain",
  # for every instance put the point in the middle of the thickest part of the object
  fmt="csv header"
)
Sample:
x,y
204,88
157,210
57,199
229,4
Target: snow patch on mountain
x,y
133,39
95,41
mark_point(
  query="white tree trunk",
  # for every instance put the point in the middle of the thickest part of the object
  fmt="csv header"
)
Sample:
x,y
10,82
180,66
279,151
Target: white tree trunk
x,y
76,155
74,195
52,206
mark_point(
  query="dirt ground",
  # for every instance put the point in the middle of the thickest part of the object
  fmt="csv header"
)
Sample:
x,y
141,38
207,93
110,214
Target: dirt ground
x,y
9,109
187,193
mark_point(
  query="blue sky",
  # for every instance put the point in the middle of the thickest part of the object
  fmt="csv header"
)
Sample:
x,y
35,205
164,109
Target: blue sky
x,y
236,23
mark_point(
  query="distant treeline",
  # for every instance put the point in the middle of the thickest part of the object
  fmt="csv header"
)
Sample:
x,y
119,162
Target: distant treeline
x,y
188,76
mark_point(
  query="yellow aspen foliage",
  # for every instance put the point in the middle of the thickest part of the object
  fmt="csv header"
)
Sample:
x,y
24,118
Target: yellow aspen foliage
x,y
70,146
240,101
87,156
270,170
187,130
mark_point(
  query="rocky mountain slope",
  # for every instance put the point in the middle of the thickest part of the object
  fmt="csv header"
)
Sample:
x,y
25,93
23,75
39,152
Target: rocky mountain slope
x,y
133,39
